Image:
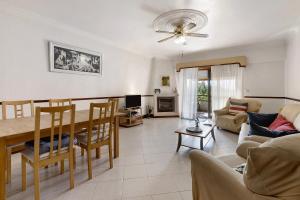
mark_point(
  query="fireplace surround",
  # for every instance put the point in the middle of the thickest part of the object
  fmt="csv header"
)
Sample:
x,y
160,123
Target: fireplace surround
x,y
165,105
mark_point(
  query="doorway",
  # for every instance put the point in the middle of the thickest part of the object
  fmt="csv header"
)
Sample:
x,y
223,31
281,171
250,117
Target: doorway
x,y
204,92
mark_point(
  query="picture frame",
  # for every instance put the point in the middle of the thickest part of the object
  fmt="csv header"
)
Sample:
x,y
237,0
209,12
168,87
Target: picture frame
x,y
70,59
165,80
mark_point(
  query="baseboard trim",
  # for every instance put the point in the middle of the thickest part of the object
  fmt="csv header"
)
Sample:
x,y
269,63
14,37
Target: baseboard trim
x,y
166,116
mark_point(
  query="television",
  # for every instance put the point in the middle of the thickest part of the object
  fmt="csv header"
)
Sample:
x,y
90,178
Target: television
x,y
132,101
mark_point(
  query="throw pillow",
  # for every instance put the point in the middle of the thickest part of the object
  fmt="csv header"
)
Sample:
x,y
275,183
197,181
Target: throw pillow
x,y
279,121
273,169
262,119
255,129
237,107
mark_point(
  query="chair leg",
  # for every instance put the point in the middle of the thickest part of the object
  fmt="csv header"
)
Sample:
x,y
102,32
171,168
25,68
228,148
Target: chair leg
x,y
82,151
62,167
98,153
110,154
71,168
23,173
36,182
89,159
8,169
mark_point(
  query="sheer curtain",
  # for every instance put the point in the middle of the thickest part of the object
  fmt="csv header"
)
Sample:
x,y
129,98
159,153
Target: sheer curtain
x,y
226,81
189,92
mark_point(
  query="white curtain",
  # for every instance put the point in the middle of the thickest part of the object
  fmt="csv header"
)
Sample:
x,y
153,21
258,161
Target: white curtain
x,y
179,80
189,92
226,82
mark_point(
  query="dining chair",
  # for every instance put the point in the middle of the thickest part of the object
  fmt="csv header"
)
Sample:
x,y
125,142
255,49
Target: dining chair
x,y
60,102
18,112
99,132
116,100
116,109
39,153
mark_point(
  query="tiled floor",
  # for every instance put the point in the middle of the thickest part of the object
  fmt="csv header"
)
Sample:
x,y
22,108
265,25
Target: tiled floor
x,y
148,168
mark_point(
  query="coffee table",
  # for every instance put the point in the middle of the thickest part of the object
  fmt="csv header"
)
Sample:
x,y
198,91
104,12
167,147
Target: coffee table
x,y
206,131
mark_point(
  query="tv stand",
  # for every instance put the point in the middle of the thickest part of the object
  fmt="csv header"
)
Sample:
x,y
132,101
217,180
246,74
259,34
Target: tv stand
x,y
133,117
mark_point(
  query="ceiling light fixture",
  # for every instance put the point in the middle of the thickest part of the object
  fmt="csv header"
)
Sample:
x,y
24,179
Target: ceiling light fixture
x,y
180,39
179,24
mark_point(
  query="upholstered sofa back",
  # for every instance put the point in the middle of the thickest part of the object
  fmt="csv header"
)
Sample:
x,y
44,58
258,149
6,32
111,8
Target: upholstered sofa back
x,y
253,105
290,111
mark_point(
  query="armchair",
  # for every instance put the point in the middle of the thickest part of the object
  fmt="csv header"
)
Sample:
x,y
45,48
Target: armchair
x,y
231,122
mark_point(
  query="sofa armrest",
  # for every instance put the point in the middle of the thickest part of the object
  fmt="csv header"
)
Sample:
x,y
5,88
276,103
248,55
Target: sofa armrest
x,y
222,111
257,138
214,180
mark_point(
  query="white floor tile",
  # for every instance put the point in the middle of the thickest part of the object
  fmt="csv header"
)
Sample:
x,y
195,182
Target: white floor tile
x,y
148,168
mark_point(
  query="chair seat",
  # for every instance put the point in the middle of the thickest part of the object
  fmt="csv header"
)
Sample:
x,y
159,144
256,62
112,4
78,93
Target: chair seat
x,y
29,153
45,144
82,138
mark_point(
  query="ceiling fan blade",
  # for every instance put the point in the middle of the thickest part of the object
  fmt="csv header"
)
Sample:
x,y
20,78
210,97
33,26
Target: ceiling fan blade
x,y
165,32
189,26
197,35
165,39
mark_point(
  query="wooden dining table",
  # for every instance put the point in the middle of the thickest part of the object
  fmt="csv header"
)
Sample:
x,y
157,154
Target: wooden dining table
x,y
16,131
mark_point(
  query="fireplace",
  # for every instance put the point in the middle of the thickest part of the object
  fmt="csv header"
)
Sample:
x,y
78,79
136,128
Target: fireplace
x,y
165,104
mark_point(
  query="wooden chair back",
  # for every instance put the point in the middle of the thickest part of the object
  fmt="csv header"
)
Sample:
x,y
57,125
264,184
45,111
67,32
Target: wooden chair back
x,y
57,128
101,120
18,108
116,105
60,102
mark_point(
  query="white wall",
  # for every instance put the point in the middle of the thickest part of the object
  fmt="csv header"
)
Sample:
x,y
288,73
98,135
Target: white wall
x,y
292,72
162,68
24,64
264,74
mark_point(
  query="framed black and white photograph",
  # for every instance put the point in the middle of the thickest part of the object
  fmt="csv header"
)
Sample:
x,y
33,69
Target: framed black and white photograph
x,y
69,59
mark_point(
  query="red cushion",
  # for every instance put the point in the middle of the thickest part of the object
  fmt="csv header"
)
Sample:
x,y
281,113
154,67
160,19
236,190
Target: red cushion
x,y
279,121
286,127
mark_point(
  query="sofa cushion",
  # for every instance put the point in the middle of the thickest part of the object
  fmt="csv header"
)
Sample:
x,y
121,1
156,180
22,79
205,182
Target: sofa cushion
x,y
262,119
297,122
290,111
242,148
273,168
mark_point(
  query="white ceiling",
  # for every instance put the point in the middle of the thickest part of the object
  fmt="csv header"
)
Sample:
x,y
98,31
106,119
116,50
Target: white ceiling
x,y
127,23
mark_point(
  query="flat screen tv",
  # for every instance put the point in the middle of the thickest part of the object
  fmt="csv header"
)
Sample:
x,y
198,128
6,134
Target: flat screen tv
x,y
132,101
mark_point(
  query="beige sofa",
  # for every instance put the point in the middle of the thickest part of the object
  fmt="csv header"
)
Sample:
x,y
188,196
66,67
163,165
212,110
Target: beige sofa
x,y
233,123
215,179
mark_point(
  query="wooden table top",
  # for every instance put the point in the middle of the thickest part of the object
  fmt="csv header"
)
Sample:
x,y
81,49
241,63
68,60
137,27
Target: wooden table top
x,y
206,130
13,127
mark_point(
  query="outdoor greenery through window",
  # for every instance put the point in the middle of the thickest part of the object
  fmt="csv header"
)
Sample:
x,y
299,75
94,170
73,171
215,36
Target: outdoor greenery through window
x,y
203,91
202,95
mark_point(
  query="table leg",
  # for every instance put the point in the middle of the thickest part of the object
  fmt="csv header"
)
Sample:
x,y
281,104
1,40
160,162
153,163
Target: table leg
x,y
179,142
213,134
116,137
201,143
2,169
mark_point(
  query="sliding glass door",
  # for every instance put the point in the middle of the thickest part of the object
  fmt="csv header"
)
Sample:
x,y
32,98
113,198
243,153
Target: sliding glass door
x,y
203,92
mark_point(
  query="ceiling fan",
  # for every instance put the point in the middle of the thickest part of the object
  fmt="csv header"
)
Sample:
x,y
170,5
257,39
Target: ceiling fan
x,y
180,24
